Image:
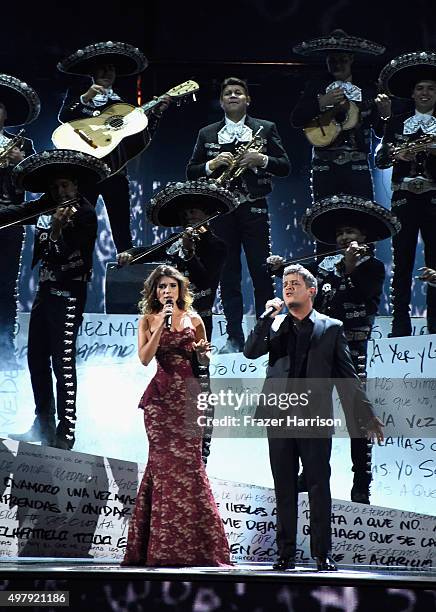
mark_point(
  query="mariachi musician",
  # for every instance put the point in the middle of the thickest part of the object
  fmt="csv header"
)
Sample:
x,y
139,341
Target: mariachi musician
x,y
63,249
103,62
262,157
199,255
408,146
340,166
19,105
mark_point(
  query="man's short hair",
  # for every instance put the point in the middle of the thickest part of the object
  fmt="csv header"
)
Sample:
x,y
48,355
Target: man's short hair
x,y
308,278
234,81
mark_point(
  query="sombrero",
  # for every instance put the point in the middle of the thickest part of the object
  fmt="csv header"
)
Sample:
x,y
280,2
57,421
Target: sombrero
x,y
21,101
338,40
165,206
322,219
36,172
399,77
128,60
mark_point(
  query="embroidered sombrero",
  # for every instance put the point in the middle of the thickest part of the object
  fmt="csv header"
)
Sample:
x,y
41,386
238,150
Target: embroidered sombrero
x,y
338,40
165,206
128,60
325,216
399,77
36,172
21,101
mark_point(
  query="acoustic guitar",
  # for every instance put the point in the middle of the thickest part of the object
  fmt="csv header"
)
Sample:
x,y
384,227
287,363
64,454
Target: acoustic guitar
x,y
101,134
326,127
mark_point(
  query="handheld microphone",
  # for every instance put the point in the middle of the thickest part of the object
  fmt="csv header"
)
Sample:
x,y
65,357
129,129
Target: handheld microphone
x,y
169,317
268,312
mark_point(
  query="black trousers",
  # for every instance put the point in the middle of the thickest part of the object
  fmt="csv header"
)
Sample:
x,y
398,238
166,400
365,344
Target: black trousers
x,y
116,195
247,227
329,178
55,319
284,456
361,448
11,242
417,213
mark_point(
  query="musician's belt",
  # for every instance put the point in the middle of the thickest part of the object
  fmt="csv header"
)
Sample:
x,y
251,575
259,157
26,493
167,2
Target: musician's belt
x,y
340,157
356,335
418,185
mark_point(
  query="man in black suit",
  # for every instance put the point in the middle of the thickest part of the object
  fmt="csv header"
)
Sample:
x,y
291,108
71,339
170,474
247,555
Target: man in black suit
x,y
248,226
19,105
307,344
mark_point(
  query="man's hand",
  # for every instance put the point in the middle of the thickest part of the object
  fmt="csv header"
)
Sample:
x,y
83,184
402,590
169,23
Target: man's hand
x,y
15,155
384,106
332,98
188,241
427,274
252,159
353,254
124,258
275,262
223,159
275,303
60,218
164,103
92,92
374,430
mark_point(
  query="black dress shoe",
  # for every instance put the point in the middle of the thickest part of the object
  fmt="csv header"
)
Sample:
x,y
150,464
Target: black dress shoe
x,y
360,495
37,433
64,444
284,563
326,564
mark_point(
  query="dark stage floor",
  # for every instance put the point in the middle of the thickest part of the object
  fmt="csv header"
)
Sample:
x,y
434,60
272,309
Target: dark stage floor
x,y
346,575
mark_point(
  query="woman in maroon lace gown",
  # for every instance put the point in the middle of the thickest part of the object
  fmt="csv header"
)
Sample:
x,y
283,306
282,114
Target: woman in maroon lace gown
x,y
175,520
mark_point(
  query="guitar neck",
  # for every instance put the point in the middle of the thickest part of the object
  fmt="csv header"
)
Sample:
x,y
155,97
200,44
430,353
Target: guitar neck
x,y
149,105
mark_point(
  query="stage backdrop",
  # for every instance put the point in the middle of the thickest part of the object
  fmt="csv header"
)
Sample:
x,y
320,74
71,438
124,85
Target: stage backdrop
x,y
111,381
66,504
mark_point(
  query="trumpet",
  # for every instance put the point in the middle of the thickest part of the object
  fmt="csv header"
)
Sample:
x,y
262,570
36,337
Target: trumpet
x,y
414,146
234,170
7,148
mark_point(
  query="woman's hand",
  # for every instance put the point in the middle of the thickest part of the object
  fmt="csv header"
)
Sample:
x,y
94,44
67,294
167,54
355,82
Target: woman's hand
x,y
202,347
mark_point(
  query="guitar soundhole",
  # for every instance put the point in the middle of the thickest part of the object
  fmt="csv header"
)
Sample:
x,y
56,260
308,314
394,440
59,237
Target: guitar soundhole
x,y
116,122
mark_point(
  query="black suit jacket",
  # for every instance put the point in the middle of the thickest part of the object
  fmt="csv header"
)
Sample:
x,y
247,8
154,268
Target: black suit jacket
x,y
256,184
328,362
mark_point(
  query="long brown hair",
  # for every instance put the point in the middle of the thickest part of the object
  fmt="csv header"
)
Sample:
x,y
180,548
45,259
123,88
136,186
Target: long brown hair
x,y
150,304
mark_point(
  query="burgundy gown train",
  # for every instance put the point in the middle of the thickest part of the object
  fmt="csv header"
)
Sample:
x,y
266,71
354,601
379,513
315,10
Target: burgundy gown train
x,y
175,520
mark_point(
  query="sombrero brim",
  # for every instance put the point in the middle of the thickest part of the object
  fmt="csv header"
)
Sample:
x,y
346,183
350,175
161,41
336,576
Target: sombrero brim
x,y
168,213
346,44
402,82
127,60
38,180
321,221
323,227
21,108
36,172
